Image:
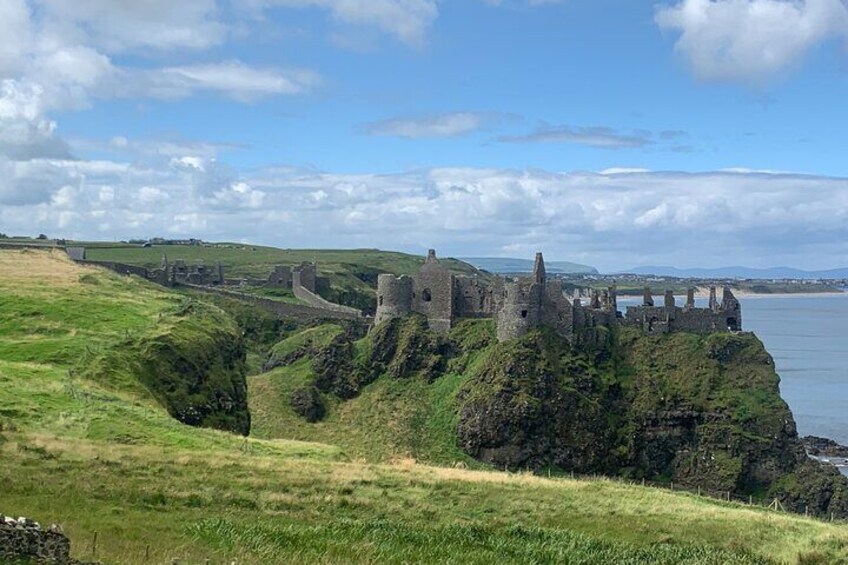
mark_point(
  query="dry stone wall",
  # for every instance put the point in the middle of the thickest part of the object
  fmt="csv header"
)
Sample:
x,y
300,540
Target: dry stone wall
x,y
23,539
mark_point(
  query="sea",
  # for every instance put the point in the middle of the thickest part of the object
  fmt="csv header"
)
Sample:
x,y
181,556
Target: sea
x,y
807,335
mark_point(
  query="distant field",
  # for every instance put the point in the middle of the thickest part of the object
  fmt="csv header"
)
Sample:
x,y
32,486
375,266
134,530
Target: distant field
x,y
104,459
258,261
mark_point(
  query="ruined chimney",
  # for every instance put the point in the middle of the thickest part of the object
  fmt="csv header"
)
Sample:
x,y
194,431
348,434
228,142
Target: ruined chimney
x,y
727,299
713,299
596,299
613,298
669,299
690,298
539,273
647,297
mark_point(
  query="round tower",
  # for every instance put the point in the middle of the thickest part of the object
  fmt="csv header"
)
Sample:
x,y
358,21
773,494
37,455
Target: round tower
x,y
394,297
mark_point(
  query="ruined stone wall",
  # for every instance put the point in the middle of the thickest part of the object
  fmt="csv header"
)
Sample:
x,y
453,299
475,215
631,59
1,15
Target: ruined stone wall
x,y
718,317
23,539
473,300
557,312
433,292
316,301
280,277
120,268
394,297
305,276
284,309
76,253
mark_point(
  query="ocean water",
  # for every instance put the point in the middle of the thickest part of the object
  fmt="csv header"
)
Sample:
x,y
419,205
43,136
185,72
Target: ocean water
x,y
808,337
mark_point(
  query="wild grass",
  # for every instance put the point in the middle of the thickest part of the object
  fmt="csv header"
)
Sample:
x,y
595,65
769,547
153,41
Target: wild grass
x,y
104,459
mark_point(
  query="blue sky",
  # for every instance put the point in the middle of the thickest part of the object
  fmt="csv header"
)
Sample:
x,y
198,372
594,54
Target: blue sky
x,y
613,132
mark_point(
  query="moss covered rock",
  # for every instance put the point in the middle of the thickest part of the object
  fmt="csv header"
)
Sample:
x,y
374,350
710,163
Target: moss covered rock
x,y
192,362
307,402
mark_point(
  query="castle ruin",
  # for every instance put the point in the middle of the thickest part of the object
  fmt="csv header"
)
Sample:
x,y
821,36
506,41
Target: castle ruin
x,y
527,303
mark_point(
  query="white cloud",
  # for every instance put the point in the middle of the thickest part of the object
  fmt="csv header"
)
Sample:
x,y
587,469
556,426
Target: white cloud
x,y
124,25
231,78
61,49
453,124
750,40
408,20
614,220
15,33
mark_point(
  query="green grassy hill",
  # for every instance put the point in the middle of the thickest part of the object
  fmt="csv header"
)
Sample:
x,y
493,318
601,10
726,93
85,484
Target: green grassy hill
x,y
352,272
96,450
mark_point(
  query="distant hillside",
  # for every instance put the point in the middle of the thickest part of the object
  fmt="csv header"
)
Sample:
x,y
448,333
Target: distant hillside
x,y
511,265
740,273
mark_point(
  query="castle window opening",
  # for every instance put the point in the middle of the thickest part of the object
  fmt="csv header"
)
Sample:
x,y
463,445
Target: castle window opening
x,y
427,296
524,313
732,325
380,299
651,324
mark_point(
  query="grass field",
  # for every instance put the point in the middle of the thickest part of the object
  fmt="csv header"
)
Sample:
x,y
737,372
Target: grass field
x,y
104,458
352,272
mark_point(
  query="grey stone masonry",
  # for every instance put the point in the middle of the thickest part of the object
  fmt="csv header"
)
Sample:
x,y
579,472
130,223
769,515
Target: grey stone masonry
x,y
529,302
22,539
716,317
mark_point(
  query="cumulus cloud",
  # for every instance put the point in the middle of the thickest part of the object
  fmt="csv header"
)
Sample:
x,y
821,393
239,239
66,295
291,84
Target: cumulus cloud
x,y
614,219
407,20
454,124
750,40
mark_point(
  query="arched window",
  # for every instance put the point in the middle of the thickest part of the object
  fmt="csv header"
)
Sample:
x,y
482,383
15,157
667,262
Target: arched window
x,y
426,296
380,300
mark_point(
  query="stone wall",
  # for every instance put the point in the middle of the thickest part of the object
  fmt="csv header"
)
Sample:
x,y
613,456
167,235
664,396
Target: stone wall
x,y
433,294
120,268
76,253
24,539
305,276
717,317
284,309
306,295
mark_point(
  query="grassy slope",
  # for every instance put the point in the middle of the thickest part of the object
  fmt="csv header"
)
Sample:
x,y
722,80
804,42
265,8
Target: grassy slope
x,y
352,273
107,459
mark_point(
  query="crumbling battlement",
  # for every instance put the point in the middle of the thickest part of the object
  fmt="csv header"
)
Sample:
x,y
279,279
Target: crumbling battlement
x,y
526,303
534,301
716,317
437,294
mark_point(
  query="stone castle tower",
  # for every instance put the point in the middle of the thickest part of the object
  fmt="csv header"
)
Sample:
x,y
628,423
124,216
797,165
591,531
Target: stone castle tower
x,y
534,301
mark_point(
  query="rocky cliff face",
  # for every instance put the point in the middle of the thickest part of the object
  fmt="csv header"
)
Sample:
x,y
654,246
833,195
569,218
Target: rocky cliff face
x,y
701,411
697,410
